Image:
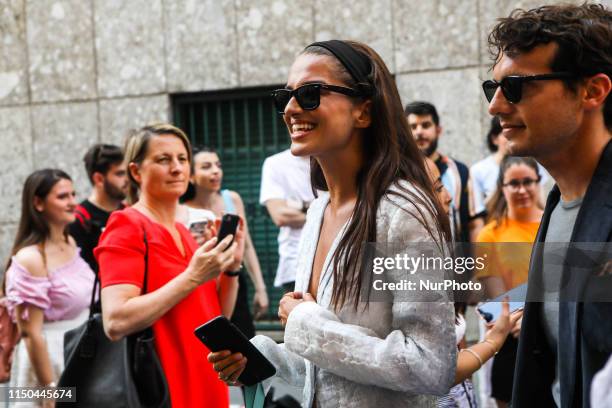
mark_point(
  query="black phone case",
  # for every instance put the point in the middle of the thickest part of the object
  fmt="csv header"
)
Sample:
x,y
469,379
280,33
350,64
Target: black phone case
x,y
229,225
220,334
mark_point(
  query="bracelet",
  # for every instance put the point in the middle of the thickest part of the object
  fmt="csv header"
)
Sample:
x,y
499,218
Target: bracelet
x,y
492,344
472,352
233,274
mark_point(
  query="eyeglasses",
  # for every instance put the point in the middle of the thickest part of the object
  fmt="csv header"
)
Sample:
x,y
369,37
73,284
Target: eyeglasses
x,y
515,184
307,96
512,86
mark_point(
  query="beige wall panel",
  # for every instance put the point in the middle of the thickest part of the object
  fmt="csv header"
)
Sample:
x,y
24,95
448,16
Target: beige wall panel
x,y
201,51
62,134
7,236
15,159
60,43
13,55
130,47
118,116
356,20
270,35
435,34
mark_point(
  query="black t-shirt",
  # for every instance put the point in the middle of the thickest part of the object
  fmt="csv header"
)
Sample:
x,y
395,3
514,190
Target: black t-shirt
x,y
87,228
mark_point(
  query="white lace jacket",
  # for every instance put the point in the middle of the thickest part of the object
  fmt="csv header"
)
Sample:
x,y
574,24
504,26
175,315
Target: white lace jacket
x,y
394,354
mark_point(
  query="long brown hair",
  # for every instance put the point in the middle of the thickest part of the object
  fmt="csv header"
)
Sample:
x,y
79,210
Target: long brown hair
x,y
33,228
497,207
391,155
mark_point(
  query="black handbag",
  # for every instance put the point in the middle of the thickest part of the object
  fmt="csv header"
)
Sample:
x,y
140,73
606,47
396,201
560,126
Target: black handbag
x,y
125,373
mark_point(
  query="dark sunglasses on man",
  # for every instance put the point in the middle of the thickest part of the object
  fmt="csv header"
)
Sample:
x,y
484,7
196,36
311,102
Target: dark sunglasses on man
x,y
512,86
308,96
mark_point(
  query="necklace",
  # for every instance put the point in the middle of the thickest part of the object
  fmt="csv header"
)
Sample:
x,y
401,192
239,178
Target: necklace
x,y
60,246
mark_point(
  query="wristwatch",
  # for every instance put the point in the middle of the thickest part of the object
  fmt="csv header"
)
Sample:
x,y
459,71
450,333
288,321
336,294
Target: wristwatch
x,y
235,273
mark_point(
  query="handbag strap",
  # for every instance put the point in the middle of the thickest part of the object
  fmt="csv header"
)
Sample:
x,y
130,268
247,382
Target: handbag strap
x,y
146,261
97,287
93,295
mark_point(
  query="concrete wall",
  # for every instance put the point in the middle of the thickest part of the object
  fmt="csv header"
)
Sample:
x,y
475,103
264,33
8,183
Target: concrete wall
x,y
76,72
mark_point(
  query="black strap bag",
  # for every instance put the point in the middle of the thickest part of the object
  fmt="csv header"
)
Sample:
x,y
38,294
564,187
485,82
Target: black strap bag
x,y
125,373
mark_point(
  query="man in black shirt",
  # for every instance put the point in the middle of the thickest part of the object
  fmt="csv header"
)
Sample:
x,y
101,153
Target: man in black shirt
x,y
108,176
425,127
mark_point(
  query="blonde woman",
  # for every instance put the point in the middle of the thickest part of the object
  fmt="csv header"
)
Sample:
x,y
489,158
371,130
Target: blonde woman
x,y
185,285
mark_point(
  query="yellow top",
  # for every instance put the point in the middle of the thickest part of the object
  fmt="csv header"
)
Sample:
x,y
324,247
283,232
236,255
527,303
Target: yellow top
x,y
509,257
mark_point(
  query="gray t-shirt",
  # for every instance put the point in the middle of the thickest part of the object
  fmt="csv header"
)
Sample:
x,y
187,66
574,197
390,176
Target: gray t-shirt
x,y
560,228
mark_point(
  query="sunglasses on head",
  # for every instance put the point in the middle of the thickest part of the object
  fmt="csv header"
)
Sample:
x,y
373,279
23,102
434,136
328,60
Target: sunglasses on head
x,y
307,96
512,86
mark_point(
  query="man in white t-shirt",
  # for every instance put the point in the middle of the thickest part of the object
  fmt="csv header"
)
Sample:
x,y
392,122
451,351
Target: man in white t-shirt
x,y
286,192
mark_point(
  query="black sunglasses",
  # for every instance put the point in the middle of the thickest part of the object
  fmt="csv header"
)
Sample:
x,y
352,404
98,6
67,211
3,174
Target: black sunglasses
x,y
512,86
307,96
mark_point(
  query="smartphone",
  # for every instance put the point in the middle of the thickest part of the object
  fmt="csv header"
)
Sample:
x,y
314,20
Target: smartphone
x,y
220,334
491,310
229,225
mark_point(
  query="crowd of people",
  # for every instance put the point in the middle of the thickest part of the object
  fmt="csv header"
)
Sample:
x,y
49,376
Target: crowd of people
x,y
362,168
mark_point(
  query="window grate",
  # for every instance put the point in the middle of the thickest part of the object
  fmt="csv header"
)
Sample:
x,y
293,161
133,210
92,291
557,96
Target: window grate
x,y
244,127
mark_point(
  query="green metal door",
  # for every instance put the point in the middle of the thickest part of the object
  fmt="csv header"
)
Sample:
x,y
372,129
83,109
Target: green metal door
x,y
244,128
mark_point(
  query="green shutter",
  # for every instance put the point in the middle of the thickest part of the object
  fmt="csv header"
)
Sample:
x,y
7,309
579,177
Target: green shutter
x,y
243,126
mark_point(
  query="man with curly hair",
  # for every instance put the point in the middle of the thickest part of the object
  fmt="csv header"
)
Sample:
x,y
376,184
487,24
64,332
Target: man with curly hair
x,y
552,75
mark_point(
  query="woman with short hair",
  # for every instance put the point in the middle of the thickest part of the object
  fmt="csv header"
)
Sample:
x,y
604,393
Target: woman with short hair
x,y
185,285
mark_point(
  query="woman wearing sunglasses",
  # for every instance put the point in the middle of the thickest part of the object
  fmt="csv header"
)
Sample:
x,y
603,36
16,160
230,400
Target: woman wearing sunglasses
x,y
342,109
514,221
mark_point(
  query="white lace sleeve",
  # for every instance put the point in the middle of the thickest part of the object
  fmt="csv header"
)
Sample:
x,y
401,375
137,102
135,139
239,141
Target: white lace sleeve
x,y
418,356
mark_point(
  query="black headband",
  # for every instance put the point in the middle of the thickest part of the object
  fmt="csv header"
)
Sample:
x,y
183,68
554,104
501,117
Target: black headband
x,y
356,63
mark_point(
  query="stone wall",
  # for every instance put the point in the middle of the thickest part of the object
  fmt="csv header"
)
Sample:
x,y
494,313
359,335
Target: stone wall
x,y
76,72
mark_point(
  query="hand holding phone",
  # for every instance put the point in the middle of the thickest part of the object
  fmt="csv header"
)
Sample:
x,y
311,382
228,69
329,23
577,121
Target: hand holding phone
x,y
209,260
492,309
229,226
221,337
232,224
504,324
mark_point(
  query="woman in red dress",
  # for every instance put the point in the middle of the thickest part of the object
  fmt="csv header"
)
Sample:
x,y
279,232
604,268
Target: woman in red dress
x,y
185,286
